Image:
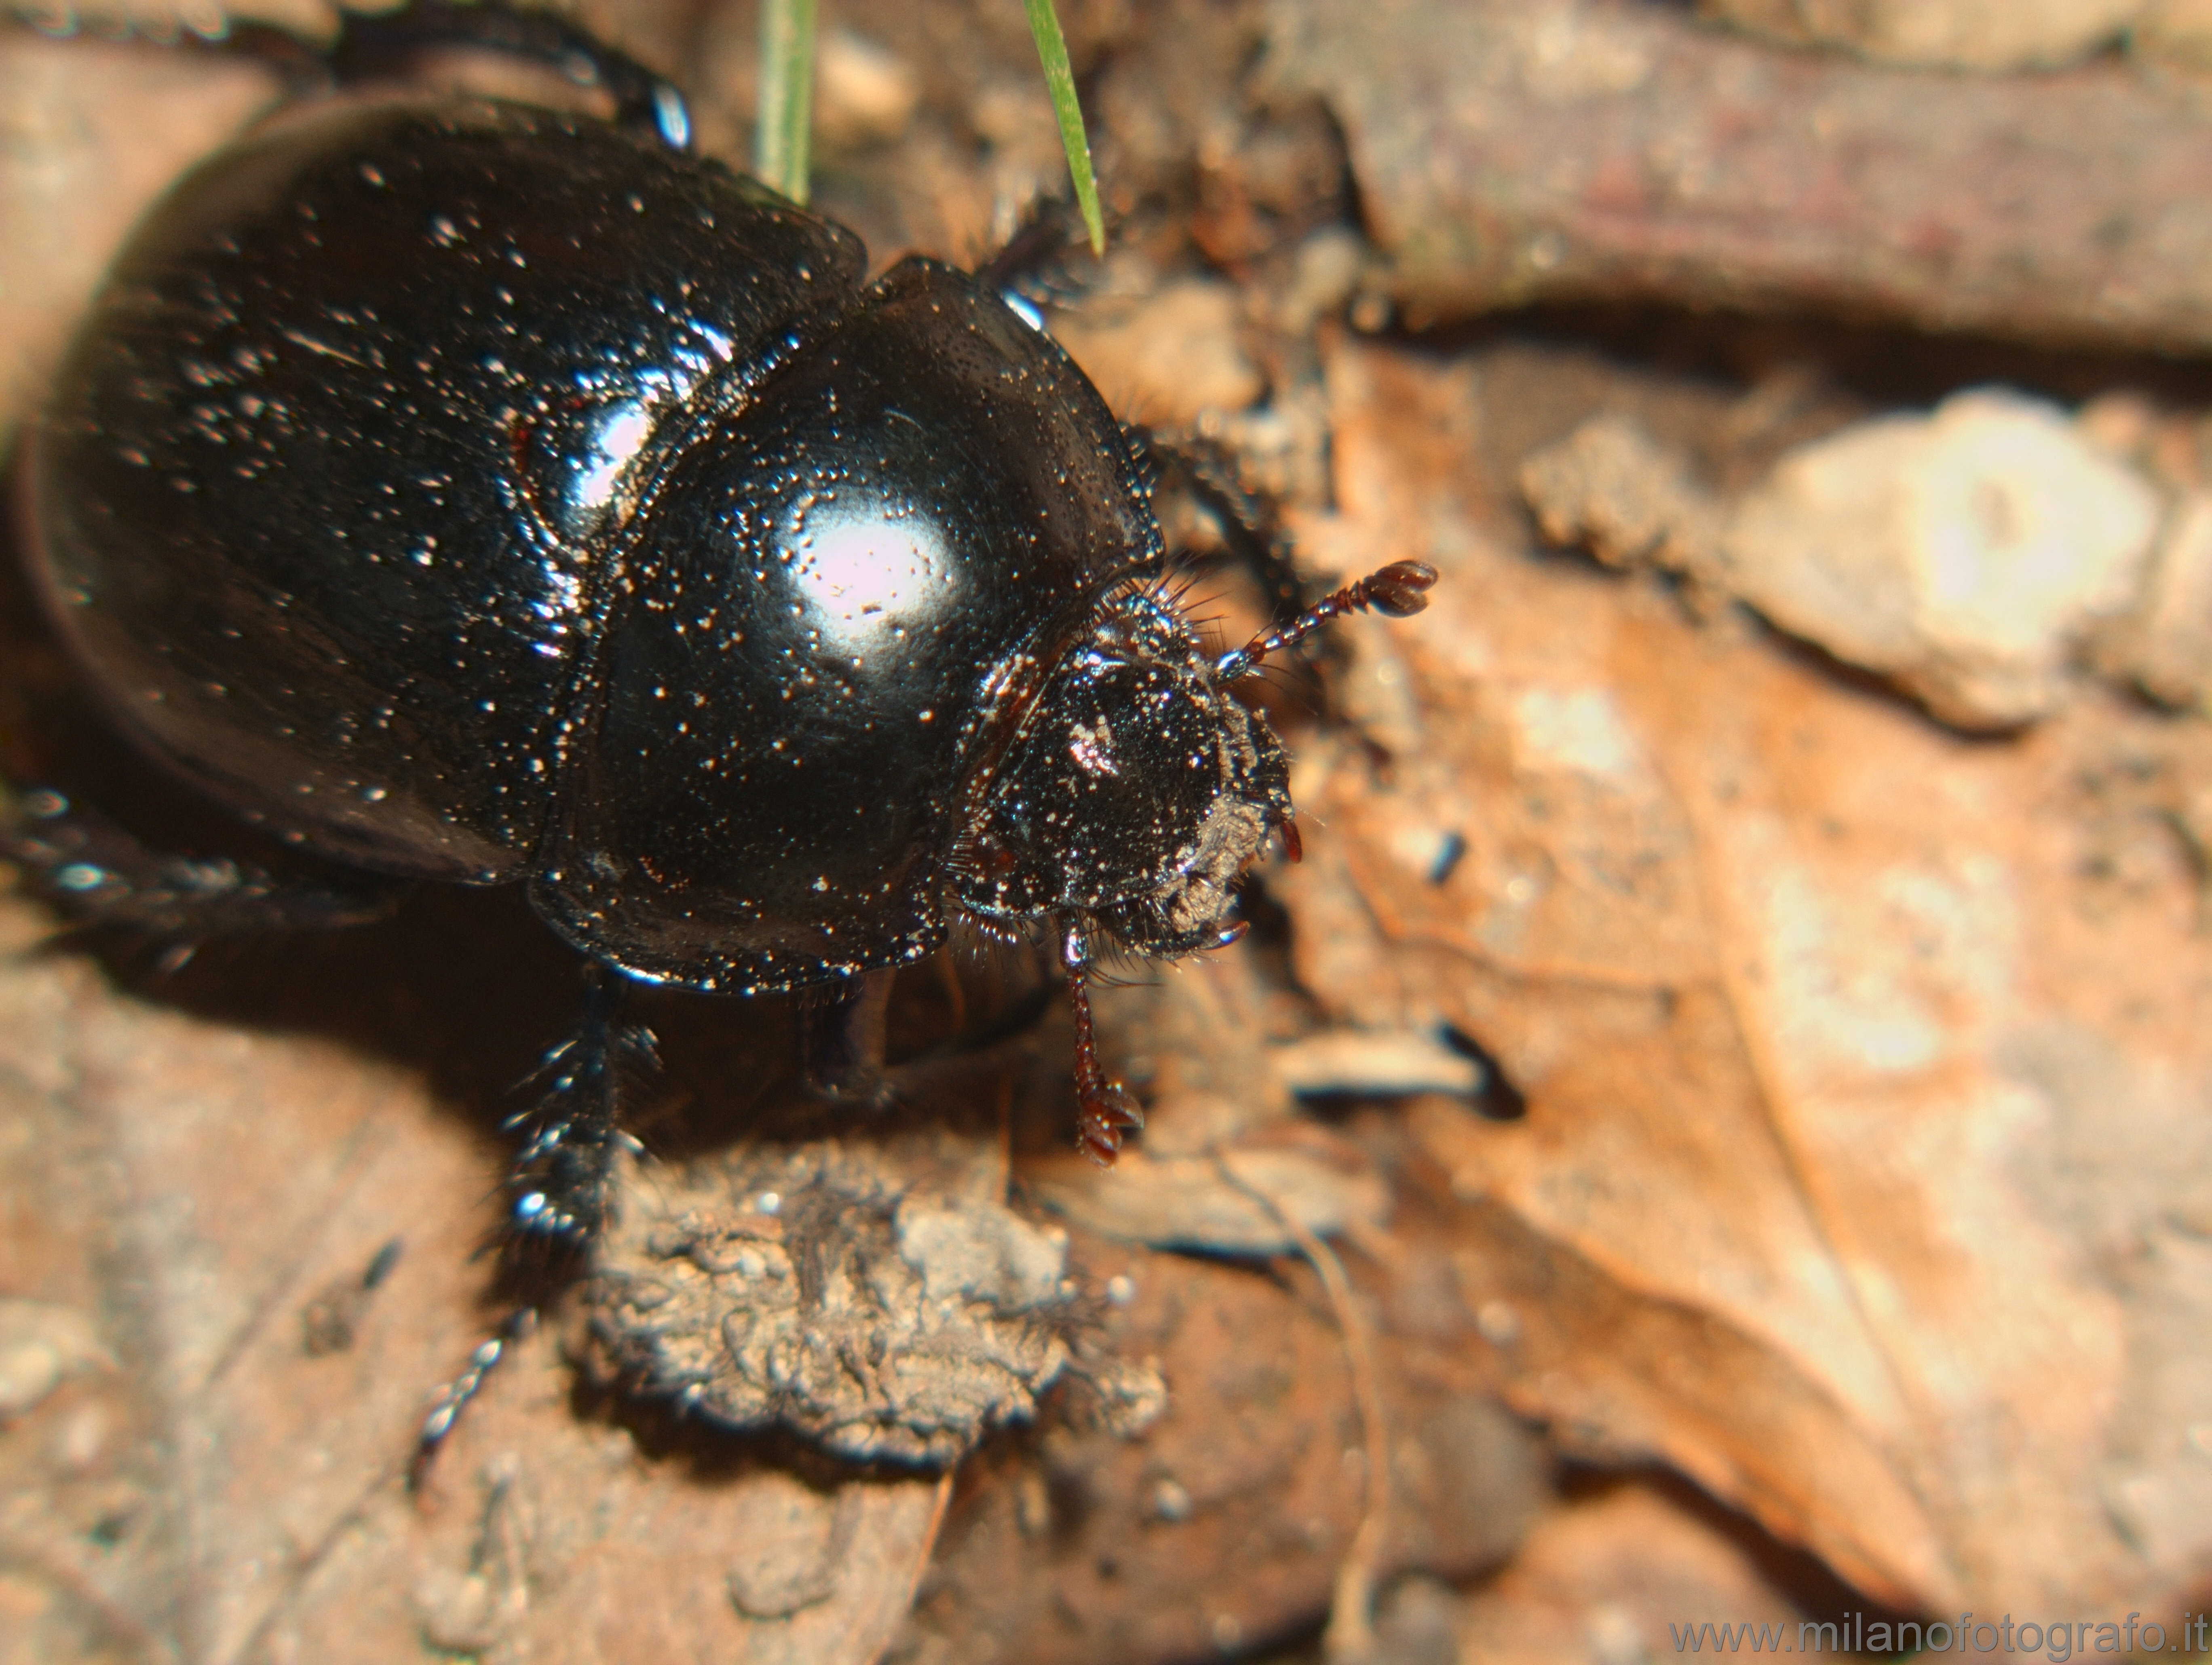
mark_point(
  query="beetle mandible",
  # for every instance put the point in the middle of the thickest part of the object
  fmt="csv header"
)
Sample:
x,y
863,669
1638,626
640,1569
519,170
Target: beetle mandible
x,y
473,491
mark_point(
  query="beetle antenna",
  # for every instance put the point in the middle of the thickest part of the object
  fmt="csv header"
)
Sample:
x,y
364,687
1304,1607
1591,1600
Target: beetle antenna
x,y
1105,1108
1399,589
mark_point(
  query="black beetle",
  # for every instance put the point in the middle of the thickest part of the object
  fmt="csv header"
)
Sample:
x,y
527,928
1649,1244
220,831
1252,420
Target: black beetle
x,y
472,491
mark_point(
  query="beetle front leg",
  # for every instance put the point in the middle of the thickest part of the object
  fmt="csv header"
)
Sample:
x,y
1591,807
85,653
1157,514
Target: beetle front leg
x,y
1251,531
840,1034
1105,1109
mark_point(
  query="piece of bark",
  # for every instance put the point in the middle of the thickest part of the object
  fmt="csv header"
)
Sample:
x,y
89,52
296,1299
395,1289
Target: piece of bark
x,y
1508,153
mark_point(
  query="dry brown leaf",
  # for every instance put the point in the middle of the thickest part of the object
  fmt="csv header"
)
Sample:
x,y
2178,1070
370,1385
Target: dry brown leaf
x,y
1623,1576
1864,1129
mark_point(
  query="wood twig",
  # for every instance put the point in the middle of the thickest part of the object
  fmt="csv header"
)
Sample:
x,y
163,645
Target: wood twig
x,y
1517,151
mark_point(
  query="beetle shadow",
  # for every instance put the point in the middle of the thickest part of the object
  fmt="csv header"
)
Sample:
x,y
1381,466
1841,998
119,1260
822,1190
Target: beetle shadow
x,y
464,987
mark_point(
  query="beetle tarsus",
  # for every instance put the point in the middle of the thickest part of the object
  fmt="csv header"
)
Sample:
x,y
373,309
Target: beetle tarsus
x,y
1105,1109
454,1397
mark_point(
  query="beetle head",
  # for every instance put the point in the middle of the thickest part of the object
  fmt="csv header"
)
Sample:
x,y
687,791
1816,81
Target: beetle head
x,y
1138,790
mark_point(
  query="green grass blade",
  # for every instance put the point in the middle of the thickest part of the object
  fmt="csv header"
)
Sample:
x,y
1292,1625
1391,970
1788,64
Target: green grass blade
x,y
1060,81
787,96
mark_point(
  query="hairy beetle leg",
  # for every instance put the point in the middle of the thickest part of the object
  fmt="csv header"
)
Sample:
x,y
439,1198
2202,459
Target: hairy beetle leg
x,y
1105,1109
558,1187
1250,529
98,874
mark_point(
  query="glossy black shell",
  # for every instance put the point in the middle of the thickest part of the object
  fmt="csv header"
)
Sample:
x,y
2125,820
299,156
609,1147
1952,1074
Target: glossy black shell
x,y
478,493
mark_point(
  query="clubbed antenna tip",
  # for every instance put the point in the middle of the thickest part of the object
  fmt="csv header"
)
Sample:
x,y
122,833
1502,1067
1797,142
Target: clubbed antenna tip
x,y
1399,589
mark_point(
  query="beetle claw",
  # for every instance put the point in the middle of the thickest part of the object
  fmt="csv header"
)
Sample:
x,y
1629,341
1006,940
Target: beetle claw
x,y
1108,1112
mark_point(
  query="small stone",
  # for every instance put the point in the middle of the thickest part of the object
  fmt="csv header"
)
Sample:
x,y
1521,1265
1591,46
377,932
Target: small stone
x,y
1613,489
792,1562
1498,1323
1171,1500
2165,645
41,1345
1965,554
